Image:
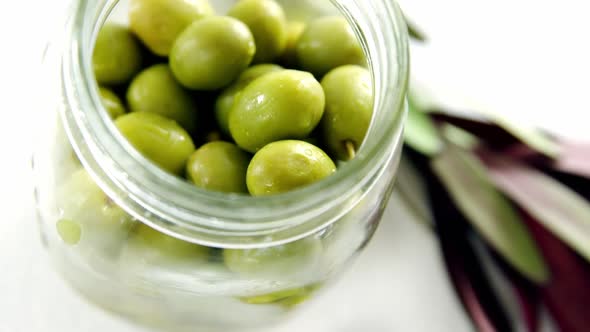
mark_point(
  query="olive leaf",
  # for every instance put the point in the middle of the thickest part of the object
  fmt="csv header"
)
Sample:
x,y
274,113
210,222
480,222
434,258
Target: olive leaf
x,y
491,214
566,295
415,32
471,281
487,132
579,184
421,133
501,133
507,292
412,190
459,136
574,158
557,207
528,299
532,137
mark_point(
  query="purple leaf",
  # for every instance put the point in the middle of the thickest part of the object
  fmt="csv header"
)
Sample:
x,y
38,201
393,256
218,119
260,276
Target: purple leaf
x,y
574,158
467,276
560,209
529,305
568,292
517,295
494,136
578,184
524,153
528,296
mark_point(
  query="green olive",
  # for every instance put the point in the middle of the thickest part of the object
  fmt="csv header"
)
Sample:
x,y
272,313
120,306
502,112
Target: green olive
x,y
81,200
288,298
70,231
267,21
256,71
288,260
89,219
274,297
159,139
117,55
296,300
219,166
294,31
327,43
225,101
349,109
287,165
280,105
154,245
155,90
111,103
212,52
159,22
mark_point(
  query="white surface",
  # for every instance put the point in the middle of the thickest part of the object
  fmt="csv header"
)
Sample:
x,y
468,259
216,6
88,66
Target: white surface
x,y
526,59
398,278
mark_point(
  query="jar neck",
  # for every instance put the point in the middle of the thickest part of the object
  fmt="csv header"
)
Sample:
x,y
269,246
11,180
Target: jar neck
x,y
178,208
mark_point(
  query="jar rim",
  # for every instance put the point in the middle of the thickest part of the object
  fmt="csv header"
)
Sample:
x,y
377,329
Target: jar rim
x,y
179,209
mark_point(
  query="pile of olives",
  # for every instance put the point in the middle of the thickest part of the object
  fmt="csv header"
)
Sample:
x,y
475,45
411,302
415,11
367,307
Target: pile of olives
x,y
245,102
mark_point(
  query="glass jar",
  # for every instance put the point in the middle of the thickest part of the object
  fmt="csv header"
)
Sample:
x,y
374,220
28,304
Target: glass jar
x,y
145,244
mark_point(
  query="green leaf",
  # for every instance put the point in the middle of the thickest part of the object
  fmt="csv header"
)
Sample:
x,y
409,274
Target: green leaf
x,y
459,136
421,133
491,214
558,208
532,137
415,32
412,190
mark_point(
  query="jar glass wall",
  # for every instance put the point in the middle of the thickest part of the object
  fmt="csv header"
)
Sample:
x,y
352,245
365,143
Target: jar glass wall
x,y
147,245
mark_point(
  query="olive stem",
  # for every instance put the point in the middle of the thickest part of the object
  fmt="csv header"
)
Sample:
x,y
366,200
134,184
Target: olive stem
x,y
350,149
213,136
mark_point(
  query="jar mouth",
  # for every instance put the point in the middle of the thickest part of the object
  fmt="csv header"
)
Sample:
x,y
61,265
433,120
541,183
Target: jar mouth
x,y
180,209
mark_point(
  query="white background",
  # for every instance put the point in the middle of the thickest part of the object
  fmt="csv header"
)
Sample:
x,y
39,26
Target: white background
x,y
525,59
